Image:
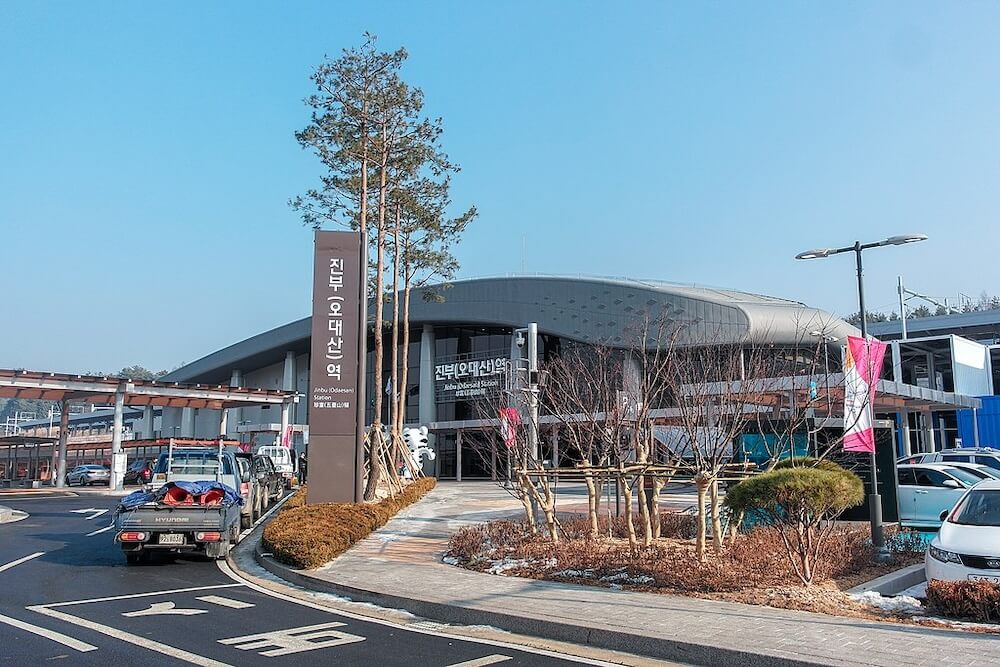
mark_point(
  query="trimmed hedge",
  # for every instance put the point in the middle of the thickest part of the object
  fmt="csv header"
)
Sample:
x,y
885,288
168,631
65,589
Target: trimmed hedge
x,y
970,600
307,536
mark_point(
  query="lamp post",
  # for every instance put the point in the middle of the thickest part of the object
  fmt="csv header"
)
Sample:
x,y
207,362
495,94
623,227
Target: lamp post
x,y
874,499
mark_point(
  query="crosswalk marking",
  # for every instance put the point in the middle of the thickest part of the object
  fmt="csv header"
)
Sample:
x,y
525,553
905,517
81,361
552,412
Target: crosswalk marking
x,y
480,662
225,602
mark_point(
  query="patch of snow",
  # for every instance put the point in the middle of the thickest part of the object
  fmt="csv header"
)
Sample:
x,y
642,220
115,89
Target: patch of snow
x,y
507,564
625,577
450,560
918,591
577,574
903,604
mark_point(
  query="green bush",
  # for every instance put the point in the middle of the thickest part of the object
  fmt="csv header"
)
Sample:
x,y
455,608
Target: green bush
x,y
801,502
307,536
808,462
971,600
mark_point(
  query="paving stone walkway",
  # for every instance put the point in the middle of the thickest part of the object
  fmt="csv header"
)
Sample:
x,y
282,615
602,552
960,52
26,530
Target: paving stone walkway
x,y
403,560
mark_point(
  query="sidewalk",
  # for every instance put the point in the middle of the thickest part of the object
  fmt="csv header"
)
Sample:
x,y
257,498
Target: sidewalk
x,y
400,566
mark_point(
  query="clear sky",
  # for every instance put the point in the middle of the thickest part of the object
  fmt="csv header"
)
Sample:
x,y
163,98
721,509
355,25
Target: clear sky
x,y
147,153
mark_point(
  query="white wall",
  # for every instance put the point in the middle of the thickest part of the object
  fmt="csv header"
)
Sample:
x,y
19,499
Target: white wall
x,y
971,366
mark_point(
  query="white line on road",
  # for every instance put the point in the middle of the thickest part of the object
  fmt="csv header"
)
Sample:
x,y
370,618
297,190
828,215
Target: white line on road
x,y
224,566
225,602
101,530
59,637
141,595
95,515
482,662
121,635
20,560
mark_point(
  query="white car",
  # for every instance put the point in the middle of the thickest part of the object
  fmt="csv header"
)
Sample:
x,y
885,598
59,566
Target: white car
x,y
968,545
986,456
980,471
928,489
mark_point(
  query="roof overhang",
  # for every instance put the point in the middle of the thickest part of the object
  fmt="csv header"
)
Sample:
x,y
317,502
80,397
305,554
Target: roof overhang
x,y
100,390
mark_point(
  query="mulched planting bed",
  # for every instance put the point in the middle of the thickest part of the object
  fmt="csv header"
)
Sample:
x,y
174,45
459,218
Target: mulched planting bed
x,y
753,569
308,536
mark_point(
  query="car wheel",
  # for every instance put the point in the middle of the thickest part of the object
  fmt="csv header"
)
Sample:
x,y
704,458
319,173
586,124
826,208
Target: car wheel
x,y
245,521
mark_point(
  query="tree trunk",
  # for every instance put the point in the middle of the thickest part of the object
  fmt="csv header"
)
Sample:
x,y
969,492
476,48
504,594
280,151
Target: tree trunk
x,y
647,524
658,485
525,498
592,500
633,541
394,375
378,444
702,486
716,517
405,356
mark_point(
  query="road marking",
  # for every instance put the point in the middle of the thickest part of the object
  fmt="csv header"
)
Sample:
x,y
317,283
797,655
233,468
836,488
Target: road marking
x,y
59,637
295,640
20,560
101,530
128,637
229,572
265,515
164,609
141,595
481,662
93,511
225,602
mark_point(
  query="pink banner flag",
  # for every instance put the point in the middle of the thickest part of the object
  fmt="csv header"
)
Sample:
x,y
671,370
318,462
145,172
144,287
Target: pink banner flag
x,y
862,370
510,419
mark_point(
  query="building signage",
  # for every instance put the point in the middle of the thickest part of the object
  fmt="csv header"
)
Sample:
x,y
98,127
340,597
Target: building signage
x,y
334,368
470,378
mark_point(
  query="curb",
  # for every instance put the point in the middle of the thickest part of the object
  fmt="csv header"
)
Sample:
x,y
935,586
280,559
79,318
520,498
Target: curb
x,y
894,582
602,638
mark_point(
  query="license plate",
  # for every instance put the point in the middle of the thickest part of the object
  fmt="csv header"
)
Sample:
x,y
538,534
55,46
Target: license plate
x,y
171,538
984,577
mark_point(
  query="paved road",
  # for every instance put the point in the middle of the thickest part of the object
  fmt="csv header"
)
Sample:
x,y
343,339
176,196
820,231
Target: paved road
x,y
66,593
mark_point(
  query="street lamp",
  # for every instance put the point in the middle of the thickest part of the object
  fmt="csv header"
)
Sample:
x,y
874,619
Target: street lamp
x,y
874,499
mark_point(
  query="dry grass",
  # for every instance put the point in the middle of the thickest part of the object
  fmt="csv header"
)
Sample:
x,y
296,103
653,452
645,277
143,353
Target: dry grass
x,y
307,536
977,601
754,569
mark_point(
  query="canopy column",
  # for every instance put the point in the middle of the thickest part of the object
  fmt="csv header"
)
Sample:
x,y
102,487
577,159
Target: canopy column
x,y
117,458
63,438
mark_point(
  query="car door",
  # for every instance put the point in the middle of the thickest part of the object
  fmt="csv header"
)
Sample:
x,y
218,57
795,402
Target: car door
x,y
906,495
933,497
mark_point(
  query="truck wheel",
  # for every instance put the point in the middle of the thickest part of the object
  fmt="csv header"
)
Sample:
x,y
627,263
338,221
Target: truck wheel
x,y
133,557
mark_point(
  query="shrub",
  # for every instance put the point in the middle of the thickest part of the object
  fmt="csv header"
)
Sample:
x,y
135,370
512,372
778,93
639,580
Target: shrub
x,y
971,600
755,560
808,462
801,503
307,536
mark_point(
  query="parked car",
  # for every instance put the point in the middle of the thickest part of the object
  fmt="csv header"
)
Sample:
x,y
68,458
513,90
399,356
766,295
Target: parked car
x,y
980,471
197,464
258,498
140,472
269,477
284,461
88,475
968,545
927,489
986,456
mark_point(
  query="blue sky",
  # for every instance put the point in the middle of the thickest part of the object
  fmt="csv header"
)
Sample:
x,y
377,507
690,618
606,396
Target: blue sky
x,y
147,153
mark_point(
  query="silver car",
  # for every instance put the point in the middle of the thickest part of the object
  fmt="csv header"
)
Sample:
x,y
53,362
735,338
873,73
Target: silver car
x,y
87,475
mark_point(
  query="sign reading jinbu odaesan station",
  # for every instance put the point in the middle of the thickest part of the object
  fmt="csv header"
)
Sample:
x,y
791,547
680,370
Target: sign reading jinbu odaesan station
x,y
334,378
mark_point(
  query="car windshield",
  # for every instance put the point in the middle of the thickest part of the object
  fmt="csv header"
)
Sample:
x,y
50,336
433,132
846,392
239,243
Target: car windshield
x,y
980,508
969,478
194,463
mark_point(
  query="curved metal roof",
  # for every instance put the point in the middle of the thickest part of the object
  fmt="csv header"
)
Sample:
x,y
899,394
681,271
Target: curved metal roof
x,y
594,310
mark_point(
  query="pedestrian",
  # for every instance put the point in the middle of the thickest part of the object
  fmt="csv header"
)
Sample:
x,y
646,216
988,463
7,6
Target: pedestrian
x,y
303,465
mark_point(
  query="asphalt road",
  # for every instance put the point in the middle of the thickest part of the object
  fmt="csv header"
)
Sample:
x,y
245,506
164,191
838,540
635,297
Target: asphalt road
x,y
67,594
